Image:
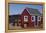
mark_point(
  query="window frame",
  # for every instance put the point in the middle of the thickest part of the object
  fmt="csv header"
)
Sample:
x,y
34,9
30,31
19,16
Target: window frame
x,y
33,18
25,20
38,18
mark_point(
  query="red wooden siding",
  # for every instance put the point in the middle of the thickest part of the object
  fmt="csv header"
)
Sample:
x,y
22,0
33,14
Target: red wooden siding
x,y
25,13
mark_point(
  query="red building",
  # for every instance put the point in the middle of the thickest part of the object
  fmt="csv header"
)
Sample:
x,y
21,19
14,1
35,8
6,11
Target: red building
x,y
29,18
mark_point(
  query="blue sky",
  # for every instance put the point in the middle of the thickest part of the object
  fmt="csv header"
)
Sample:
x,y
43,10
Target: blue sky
x,y
18,8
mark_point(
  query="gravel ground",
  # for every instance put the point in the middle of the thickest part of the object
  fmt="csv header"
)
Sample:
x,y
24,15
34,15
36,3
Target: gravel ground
x,y
11,27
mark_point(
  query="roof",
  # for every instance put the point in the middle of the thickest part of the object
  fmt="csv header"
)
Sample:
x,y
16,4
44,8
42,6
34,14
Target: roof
x,y
32,11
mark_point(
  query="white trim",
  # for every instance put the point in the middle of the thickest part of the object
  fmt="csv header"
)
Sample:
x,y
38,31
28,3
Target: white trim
x,y
38,18
33,18
28,11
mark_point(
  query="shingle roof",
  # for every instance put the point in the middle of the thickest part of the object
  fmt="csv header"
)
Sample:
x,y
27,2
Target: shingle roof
x,y
33,11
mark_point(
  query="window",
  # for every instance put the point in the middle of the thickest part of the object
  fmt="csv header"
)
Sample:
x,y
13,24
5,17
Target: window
x,y
39,18
33,18
25,18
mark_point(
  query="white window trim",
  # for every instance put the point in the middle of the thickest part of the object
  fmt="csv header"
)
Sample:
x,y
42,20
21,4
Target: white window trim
x,y
34,18
25,20
38,18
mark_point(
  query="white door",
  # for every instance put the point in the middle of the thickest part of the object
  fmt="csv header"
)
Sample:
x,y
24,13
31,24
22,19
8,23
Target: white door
x,y
19,24
25,25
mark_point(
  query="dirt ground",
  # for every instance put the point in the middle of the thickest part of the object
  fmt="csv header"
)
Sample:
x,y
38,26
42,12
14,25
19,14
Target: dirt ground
x,y
11,27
